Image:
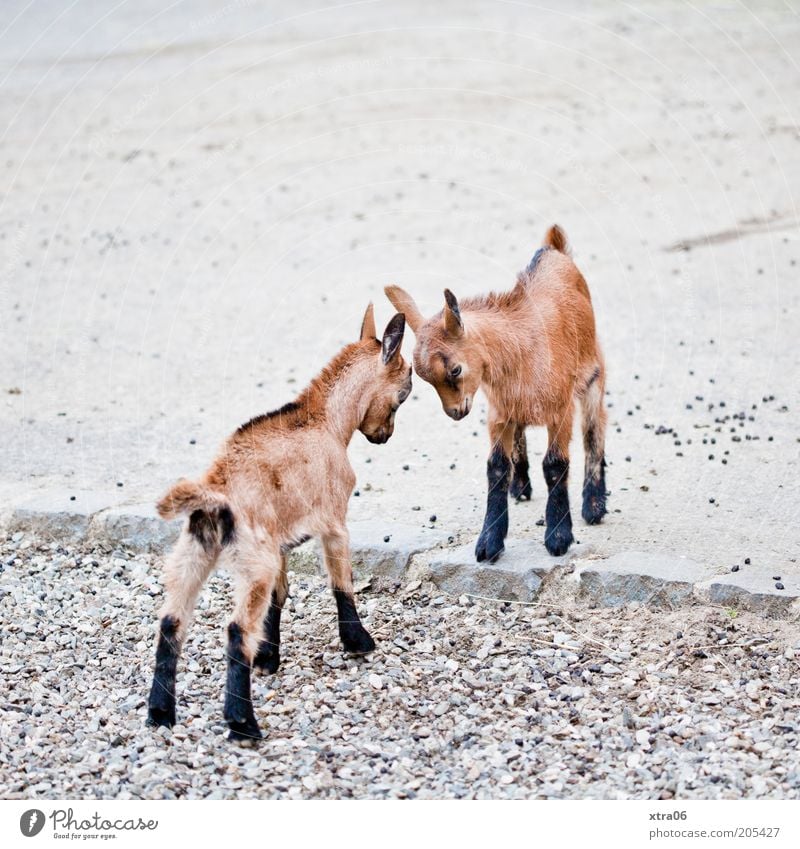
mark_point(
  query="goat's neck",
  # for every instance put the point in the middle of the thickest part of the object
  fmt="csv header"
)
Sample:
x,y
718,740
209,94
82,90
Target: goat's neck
x,y
497,337
347,401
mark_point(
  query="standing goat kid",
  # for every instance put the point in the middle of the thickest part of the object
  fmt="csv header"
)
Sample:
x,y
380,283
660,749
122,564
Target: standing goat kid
x,y
533,350
281,478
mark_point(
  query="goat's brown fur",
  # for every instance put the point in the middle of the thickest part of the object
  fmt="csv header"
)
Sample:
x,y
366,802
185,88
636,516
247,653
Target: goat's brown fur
x,y
533,351
279,479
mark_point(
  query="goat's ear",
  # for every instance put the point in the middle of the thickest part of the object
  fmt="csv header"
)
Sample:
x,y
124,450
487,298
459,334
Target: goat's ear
x,y
368,324
393,338
404,303
452,315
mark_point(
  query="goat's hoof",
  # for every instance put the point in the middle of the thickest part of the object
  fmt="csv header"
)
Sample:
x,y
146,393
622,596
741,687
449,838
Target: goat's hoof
x,y
593,510
521,489
558,541
357,641
268,658
161,716
244,731
594,501
489,547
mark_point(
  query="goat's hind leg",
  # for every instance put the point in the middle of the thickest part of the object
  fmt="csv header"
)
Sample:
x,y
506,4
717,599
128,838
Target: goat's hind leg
x,y
268,658
558,531
256,568
354,636
594,437
520,488
185,572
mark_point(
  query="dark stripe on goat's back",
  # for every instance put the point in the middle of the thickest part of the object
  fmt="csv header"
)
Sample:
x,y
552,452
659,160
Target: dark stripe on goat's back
x,y
536,258
285,410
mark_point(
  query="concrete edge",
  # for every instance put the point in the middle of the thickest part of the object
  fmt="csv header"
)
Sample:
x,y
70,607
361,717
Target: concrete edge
x,y
656,580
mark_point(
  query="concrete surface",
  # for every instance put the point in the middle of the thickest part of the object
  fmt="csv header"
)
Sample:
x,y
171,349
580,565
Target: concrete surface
x,y
199,201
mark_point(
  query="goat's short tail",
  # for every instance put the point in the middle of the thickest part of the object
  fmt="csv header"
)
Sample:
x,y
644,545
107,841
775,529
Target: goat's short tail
x,y
186,497
556,238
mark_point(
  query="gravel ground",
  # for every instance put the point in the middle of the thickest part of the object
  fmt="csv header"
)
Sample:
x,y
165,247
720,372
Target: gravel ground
x,y
464,697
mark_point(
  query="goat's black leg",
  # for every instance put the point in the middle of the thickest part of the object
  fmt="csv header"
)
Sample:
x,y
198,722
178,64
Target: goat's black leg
x,y
238,699
558,531
268,657
520,488
491,542
253,593
594,433
594,493
558,521
161,704
185,571
354,636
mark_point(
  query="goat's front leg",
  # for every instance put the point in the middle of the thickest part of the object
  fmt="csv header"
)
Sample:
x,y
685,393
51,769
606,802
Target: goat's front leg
x,y
355,637
268,658
185,571
520,478
491,542
558,531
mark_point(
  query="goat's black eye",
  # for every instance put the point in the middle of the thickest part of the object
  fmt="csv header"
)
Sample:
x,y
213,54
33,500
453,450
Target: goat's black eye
x,y
455,371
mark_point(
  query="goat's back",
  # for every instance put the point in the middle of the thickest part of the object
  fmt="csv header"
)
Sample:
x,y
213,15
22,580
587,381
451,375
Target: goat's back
x,y
287,481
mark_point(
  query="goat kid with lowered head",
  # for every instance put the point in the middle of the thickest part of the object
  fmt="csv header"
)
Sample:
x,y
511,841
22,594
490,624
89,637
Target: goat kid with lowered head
x,y
281,478
533,351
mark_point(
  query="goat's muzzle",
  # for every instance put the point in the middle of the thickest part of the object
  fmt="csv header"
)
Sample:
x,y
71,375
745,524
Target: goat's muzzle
x,y
458,413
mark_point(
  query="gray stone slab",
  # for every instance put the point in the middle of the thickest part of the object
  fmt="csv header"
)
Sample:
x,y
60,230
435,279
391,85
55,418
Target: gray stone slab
x,y
61,515
136,526
516,576
654,579
752,590
371,553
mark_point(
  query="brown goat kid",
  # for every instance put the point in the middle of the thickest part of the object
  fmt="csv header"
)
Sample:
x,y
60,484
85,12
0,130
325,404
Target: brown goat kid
x,y
281,478
533,351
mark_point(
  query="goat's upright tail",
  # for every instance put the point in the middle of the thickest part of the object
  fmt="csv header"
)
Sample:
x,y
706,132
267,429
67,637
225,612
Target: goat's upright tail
x,y
187,496
556,238
211,519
